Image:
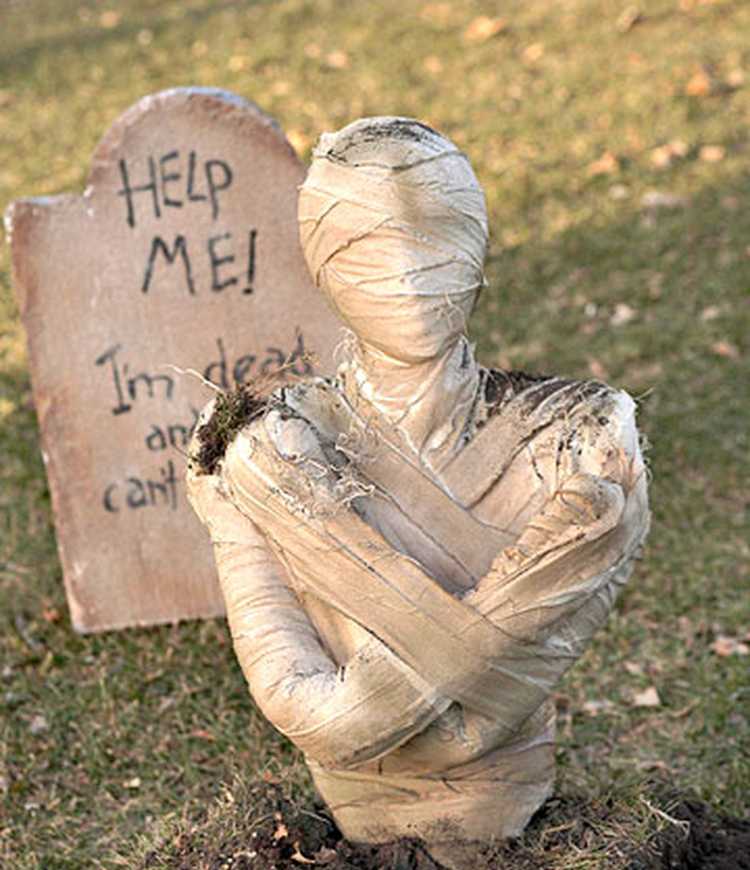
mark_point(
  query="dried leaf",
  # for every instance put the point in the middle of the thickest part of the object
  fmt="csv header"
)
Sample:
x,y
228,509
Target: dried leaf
x,y
647,698
46,664
597,370
628,18
678,148
109,19
635,59
38,725
686,710
646,374
50,614
633,668
664,155
607,164
735,78
710,312
700,84
623,314
591,327
652,764
325,855
619,191
433,65
661,157
655,283
687,630
133,783
725,349
729,646
484,28
337,59
281,831
655,199
202,734
594,708
438,13
7,408
532,53
299,857
712,153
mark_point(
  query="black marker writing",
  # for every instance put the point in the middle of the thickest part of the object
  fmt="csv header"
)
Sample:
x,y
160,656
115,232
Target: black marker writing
x,y
251,237
162,184
130,389
216,261
133,493
179,247
221,251
138,490
176,435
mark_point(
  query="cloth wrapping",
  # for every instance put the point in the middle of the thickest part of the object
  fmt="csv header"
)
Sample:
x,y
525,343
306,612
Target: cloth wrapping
x,y
398,691
413,554
394,230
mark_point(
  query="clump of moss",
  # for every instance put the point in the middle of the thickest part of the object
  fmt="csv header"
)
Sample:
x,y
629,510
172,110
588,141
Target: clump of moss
x,y
232,411
236,408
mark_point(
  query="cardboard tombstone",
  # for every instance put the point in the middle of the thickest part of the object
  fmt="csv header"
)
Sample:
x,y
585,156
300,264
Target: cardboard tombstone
x,y
182,252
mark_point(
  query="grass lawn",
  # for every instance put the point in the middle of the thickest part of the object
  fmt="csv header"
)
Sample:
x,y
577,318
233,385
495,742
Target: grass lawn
x,y
615,155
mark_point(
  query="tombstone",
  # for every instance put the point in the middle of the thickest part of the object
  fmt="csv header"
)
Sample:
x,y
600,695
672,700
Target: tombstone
x,y
182,253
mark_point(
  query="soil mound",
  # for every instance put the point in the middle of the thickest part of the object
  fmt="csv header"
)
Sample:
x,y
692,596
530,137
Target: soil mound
x,y
266,830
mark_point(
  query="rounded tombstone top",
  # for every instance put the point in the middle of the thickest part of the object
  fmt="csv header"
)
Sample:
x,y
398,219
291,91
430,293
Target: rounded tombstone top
x,y
393,225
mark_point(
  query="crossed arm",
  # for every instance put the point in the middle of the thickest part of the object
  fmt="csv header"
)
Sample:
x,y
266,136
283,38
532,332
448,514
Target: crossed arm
x,y
339,715
344,716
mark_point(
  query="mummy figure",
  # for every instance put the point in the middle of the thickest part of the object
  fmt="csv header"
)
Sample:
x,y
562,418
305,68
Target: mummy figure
x,y
414,552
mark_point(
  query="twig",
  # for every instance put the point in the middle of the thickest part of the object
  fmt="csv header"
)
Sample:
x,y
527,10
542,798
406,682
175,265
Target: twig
x,y
680,823
195,374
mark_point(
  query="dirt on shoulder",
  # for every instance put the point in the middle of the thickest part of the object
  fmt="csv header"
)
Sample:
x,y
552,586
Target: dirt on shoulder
x,y
231,412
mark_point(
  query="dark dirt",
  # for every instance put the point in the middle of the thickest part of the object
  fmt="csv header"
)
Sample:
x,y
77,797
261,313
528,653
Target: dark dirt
x,y
238,407
712,842
270,832
376,131
501,385
267,831
232,411
247,402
